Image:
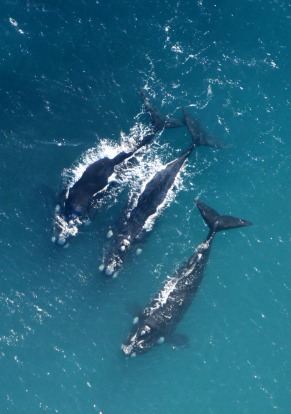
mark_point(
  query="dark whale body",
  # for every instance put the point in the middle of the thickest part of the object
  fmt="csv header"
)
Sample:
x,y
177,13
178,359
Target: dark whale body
x,y
131,229
161,317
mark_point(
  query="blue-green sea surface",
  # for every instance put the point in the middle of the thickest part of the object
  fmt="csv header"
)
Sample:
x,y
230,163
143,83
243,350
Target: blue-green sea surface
x,y
70,75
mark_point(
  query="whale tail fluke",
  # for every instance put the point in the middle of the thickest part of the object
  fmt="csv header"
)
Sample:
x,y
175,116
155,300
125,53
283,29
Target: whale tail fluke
x,y
216,222
199,136
159,121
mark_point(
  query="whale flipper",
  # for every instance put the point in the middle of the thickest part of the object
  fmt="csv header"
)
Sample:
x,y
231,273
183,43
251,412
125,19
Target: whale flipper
x,y
216,222
159,120
199,136
178,340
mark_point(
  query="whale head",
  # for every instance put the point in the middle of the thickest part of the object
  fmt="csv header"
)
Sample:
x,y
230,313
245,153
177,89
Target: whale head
x,y
118,248
70,213
143,337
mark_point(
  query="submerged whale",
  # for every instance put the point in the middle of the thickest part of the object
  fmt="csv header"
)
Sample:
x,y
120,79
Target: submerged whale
x,y
75,202
160,318
130,230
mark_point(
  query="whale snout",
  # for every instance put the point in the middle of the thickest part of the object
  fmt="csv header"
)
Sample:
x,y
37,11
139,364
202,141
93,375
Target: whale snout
x,y
109,270
130,349
127,350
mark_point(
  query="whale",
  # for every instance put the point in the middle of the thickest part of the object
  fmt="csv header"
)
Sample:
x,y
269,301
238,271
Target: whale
x,y
158,321
131,228
75,203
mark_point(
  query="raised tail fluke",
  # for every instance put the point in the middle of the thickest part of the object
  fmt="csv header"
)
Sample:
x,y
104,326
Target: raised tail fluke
x,y
199,136
216,222
159,121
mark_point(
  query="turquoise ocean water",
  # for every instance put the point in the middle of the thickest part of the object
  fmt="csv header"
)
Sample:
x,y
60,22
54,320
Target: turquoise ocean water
x,y
70,76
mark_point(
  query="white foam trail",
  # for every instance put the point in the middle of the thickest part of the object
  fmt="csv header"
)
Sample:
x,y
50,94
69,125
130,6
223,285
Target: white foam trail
x,y
163,295
106,148
61,143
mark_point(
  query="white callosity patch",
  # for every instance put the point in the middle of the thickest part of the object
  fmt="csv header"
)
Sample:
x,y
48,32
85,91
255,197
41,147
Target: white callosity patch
x,y
109,234
61,241
146,329
112,264
127,349
109,270
124,245
101,267
112,268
